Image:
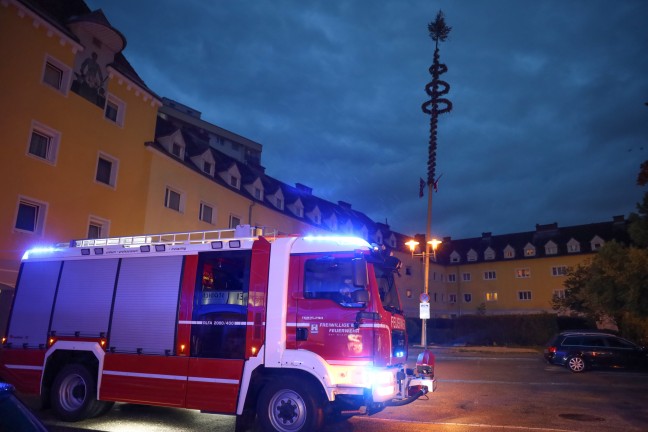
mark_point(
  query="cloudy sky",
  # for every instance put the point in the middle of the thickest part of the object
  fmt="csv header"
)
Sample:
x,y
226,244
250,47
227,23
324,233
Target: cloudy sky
x,y
549,121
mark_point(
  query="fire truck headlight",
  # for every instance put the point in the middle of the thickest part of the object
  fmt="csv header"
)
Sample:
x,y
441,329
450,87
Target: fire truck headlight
x,y
381,381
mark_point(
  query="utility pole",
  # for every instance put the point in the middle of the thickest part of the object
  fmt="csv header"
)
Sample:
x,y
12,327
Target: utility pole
x,y
435,106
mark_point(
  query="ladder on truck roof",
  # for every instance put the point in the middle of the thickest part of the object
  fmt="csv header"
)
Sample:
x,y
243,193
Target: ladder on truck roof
x,y
189,237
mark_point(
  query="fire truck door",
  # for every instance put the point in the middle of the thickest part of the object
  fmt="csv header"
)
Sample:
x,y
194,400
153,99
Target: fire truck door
x,y
330,303
219,327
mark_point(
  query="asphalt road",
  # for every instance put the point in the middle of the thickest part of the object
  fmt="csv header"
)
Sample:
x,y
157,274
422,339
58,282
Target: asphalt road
x,y
478,390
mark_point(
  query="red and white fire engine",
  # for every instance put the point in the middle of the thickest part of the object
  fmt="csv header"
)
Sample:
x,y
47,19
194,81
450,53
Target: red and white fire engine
x,y
279,330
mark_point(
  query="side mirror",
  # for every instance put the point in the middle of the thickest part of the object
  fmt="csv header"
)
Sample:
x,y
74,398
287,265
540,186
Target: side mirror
x,y
360,296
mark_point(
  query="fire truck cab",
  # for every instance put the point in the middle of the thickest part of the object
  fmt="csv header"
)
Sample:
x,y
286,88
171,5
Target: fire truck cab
x,y
281,330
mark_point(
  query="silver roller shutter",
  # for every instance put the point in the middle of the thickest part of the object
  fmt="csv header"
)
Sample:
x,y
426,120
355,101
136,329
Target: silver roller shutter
x,y
146,304
84,297
33,305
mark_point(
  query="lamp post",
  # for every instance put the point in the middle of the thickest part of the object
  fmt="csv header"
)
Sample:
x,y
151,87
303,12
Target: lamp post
x,y
426,254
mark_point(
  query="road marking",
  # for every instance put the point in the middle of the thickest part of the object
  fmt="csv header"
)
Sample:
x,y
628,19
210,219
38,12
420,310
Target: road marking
x,y
470,425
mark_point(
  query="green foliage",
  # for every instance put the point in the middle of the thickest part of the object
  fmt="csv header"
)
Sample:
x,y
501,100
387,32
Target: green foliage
x,y
614,284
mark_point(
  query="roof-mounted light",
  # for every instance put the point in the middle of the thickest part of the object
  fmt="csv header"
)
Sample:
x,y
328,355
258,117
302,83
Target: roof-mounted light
x,y
145,248
343,240
234,244
85,251
160,248
217,245
98,251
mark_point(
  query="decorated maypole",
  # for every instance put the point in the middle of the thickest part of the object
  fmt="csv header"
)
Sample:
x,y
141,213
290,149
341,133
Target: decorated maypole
x,y
435,106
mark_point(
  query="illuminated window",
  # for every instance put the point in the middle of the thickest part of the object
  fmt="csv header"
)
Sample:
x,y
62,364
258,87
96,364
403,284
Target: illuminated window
x,y
523,273
491,296
30,216
43,143
529,250
509,252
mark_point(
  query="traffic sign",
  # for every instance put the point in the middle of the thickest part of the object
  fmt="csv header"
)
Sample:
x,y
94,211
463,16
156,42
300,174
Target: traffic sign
x,y
424,298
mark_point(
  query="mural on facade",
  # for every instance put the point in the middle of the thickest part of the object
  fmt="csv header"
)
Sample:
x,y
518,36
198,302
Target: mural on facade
x,y
89,81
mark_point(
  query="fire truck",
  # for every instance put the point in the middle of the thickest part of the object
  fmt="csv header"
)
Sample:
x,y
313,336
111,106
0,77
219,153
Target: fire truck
x,y
281,331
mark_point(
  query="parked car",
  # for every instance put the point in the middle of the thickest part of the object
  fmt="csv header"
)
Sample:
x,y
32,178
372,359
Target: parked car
x,y
14,415
582,350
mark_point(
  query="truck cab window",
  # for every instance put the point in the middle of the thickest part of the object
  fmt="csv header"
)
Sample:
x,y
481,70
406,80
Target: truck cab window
x,y
332,279
220,305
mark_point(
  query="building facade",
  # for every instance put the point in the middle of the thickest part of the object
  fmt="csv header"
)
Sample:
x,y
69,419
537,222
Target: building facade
x,y
89,151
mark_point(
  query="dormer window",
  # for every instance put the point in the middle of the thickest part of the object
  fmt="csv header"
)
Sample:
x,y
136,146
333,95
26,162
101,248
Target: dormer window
x,y
279,203
489,254
596,243
234,181
573,246
472,255
551,248
455,257
257,193
177,150
529,250
509,252
207,167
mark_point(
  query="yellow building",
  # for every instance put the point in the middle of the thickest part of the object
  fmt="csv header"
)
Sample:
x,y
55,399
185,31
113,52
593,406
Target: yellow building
x,y
75,118
503,274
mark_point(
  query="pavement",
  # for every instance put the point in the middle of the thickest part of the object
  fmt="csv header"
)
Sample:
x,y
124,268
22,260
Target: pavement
x,y
466,349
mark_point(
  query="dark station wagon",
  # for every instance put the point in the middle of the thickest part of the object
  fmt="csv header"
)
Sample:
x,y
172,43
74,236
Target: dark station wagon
x,y
579,351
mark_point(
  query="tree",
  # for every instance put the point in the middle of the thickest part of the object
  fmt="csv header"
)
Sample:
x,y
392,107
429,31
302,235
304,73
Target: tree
x,y
614,283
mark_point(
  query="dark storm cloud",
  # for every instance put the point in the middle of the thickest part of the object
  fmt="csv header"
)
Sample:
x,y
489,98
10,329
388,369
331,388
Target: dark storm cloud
x,y
549,123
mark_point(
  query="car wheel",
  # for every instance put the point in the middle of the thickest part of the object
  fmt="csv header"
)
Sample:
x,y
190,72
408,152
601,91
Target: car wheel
x,y
576,364
74,394
286,405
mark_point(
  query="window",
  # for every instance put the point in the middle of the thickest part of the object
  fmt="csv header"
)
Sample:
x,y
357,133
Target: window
x,y
234,181
332,279
173,200
573,246
220,305
455,257
522,273
207,167
551,248
279,203
472,255
490,275
206,213
559,271
489,254
466,277
257,193
53,76
408,293
43,142
529,250
491,296
467,297
30,216
106,170
452,277
524,295
177,150
559,293
452,298
98,228
234,221
408,270
56,75
509,252
114,110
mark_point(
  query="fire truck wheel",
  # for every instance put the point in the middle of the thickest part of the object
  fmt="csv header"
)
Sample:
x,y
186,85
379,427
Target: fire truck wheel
x,y
288,405
73,393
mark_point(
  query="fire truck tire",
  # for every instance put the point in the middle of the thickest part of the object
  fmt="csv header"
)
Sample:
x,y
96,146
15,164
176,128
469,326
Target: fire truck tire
x,y
289,405
73,394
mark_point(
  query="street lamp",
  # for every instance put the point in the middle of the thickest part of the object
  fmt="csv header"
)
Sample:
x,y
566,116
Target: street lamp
x,y
426,254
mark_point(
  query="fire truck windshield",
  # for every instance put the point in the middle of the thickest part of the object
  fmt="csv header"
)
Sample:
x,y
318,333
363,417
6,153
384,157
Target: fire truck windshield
x,y
387,288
